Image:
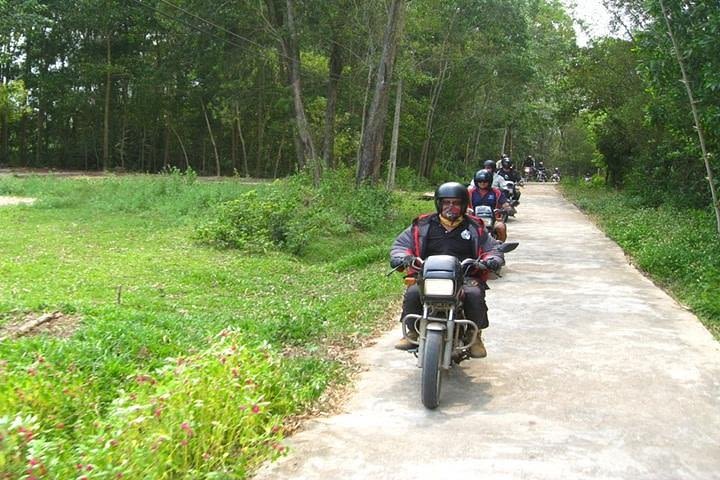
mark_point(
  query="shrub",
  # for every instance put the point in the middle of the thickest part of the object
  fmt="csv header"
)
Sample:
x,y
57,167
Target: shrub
x,y
292,212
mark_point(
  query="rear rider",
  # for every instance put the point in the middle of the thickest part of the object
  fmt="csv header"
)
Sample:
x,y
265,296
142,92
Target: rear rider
x,y
481,193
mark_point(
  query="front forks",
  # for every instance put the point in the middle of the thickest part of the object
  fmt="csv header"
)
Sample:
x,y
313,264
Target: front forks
x,y
449,325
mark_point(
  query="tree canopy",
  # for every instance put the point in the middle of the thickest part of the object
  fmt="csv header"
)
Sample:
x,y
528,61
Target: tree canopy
x,y
267,88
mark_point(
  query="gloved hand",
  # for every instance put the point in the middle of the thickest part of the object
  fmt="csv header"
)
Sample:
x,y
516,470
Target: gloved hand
x,y
493,264
406,261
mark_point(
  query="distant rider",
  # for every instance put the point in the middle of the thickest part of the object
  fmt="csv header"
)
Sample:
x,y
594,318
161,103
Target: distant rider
x,y
449,231
498,181
509,173
482,193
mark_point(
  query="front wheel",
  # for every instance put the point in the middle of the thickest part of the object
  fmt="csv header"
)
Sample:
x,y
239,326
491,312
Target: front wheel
x,y
432,371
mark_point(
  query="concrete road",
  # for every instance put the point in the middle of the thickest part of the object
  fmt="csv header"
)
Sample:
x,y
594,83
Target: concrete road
x,y
592,373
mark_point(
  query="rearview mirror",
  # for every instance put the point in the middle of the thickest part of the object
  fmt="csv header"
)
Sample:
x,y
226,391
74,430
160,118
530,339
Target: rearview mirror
x,y
508,247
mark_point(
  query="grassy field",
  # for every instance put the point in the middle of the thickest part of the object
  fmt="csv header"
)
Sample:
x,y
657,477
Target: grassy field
x,y
679,249
197,368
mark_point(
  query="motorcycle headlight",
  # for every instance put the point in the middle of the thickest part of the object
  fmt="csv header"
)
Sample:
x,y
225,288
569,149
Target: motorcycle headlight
x,y
440,287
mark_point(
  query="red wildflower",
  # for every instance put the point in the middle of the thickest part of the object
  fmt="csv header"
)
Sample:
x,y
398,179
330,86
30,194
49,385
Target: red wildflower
x,y
256,408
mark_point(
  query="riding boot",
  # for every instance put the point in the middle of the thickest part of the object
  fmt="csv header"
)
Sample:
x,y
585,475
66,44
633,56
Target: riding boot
x,y
405,343
477,349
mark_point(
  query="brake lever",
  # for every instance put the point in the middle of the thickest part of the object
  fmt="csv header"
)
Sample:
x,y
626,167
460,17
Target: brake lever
x,y
393,270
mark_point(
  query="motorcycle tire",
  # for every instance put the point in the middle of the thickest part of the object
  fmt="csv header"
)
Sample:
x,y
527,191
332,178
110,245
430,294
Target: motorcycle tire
x,y
431,381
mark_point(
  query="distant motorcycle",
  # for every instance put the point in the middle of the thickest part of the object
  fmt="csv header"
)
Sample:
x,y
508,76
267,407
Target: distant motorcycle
x,y
541,176
490,216
513,197
445,335
528,174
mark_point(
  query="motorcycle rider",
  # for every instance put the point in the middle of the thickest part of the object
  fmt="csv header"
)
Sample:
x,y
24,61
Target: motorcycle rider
x,y
509,173
498,181
448,231
556,175
482,193
541,173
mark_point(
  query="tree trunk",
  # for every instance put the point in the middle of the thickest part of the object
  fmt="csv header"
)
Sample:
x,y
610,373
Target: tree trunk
x,y
4,137
696,118
166,148
363,117
303,127
123,128
182,147
40,134
212,139
246,171
279,156
372,141
290,53
392,167
425,163
233,146
142,151
335,65
106,119
261,123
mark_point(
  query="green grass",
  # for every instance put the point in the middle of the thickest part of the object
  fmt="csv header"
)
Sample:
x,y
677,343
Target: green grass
x,y
187,377
679,249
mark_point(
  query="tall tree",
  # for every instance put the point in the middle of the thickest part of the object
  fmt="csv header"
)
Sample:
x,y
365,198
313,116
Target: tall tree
x,y
372,141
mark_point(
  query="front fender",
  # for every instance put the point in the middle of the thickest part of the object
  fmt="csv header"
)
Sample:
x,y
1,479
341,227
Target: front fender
x,y
436,326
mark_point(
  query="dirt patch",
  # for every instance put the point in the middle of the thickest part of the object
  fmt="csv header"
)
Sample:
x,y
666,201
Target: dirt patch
x,y
55,324
15,201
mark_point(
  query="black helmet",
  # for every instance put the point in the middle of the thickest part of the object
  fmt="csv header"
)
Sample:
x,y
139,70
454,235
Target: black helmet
x,y
506,162
489,165
451,190
483,176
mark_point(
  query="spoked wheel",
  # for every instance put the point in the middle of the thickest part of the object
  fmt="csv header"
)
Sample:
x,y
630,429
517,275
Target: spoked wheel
x,y
431,371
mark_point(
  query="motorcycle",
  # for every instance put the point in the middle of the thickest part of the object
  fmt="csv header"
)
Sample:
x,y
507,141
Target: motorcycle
x,y
513,196
445,335
541,176
528,174
555,177
490,216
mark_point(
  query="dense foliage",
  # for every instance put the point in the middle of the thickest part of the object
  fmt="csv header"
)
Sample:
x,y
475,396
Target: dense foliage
x,y
636,109
194,367
146,84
